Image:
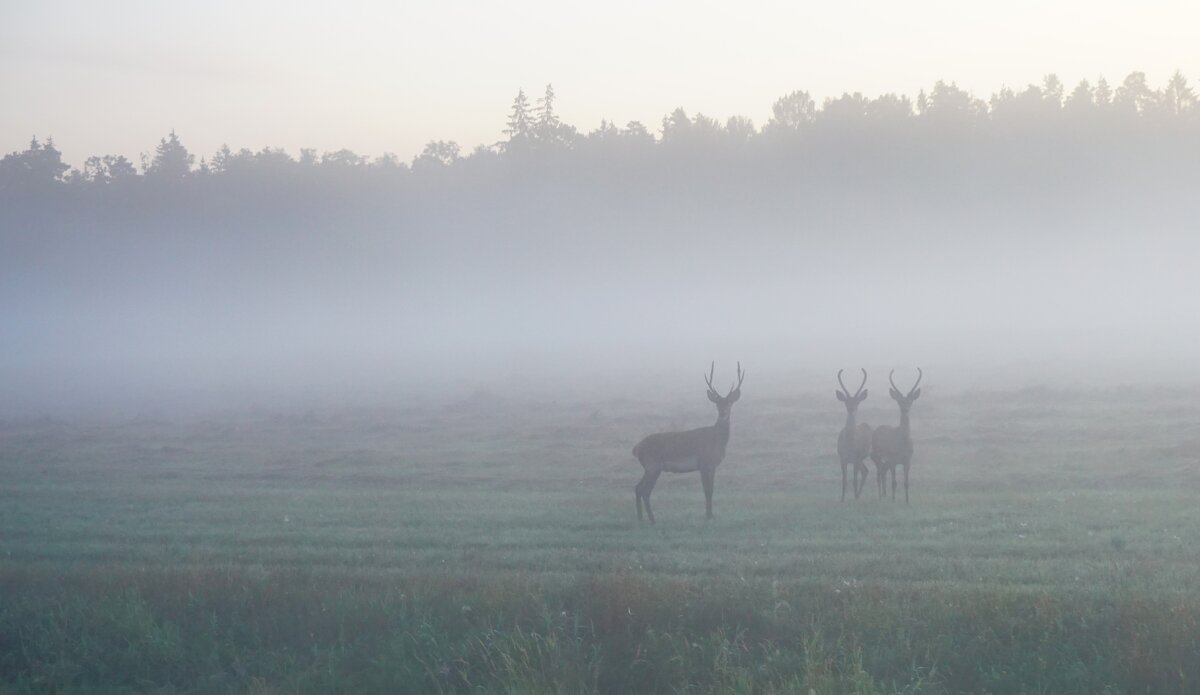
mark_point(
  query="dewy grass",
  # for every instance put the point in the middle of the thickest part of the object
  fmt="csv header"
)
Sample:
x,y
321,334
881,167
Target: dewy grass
x,y
341,555
232,628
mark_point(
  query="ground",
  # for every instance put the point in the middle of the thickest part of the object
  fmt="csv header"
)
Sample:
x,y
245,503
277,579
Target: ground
x,y
493,545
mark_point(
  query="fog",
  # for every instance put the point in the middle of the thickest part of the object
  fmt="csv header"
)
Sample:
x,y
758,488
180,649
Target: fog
x,y
1026,240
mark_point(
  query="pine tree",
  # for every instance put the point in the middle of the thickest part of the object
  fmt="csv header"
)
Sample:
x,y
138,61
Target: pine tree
x,y
547,121
171,161
1082,98
519,124
1052,90
1178,98
1103,93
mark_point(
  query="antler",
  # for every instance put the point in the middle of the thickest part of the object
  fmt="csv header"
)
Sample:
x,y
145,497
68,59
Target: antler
x,y
741,377
708,379
860,386
920,374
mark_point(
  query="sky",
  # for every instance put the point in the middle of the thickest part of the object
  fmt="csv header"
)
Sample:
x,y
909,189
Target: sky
x,y
112,78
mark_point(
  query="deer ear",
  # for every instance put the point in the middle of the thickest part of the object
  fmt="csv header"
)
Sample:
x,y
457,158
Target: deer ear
x,y
863,397
840,396
894,393
915,395
735,395
713,397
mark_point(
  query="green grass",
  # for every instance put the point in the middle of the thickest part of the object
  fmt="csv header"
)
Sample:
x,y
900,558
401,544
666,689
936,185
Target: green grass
x,y
1050,547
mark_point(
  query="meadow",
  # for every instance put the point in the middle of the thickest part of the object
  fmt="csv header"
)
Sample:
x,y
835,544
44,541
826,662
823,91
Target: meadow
x,y
492,545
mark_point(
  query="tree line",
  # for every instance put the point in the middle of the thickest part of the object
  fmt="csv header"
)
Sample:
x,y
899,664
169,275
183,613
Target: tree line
x,y
945,122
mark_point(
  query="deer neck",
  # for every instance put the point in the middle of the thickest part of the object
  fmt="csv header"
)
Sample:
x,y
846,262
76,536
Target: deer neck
x,y
722,428
851,419
904,432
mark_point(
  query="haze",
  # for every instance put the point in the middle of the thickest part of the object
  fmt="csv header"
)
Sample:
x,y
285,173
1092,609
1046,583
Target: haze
x,y
1022,223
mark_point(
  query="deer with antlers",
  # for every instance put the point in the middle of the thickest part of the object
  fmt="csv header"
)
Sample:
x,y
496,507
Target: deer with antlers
x,y
854,441
701,449
892,446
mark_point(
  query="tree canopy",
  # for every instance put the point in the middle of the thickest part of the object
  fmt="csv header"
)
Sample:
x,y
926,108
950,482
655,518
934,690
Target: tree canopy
x,y
1133,112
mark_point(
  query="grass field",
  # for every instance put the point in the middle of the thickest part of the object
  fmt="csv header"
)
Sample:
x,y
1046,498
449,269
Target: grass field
x,y
1052,546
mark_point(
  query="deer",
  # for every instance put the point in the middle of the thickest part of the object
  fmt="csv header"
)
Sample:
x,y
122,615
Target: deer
x,y
854,441
701,449
892,446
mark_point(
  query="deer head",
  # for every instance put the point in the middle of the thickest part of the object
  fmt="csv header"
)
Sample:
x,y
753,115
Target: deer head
x,y
724,403
905,401
859,396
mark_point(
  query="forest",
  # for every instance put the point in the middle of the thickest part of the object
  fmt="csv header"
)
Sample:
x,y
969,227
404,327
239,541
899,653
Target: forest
x,y
1034,128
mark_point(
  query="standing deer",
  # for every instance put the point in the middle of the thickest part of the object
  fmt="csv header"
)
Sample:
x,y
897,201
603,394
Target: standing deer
x,y
701,449
854,441
892,446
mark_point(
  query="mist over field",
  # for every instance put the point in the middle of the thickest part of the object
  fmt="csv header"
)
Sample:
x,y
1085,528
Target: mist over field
x,y
1042,237
296,414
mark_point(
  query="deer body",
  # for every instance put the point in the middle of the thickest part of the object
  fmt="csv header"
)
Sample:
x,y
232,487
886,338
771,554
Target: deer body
x,y
701,449
892,446
854,441
685,452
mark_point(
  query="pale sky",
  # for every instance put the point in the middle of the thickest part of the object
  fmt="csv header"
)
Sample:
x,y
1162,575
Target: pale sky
x,y
114,77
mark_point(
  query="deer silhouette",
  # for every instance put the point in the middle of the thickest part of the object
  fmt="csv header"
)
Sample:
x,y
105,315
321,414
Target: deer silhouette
x,y
854,441
701,449
892,446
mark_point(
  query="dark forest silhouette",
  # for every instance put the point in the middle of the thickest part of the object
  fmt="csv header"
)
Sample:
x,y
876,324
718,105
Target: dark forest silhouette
x,y
1034,125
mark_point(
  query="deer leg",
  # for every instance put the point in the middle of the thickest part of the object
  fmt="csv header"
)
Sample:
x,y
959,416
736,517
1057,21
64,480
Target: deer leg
x,y
878,475
639,491
647,487
893,467
844,479
859,467
706,477
906,465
